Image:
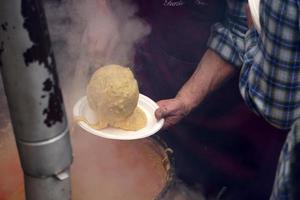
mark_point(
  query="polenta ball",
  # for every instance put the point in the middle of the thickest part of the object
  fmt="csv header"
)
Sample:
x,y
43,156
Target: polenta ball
x,y
113,94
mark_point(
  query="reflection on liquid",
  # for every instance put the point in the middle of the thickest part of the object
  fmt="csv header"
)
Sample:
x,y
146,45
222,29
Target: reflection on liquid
x,y
102,169
115,170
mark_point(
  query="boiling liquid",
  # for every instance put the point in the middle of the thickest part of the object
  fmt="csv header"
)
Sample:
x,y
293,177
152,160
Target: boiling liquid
x,y
102,169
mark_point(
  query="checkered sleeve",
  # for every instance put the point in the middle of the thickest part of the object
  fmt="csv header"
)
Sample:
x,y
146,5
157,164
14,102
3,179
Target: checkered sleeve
x,y
270,76
251,39
227,37
251,49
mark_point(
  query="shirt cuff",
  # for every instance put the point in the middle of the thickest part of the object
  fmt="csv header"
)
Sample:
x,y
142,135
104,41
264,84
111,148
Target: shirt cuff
x,y
223,42
251,38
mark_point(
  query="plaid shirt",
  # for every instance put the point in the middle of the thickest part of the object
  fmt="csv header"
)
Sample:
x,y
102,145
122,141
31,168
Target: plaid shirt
x,y
270,72
270,63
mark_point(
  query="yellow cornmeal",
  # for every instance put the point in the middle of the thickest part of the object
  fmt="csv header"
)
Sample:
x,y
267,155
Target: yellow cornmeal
x,y
113,94
136,121
98,125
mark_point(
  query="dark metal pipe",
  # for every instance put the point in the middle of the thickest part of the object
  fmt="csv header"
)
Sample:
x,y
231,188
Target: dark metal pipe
x,y
35,100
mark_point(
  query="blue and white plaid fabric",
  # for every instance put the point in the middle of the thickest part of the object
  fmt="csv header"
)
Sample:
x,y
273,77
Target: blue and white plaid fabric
x,y
270,73
283,186
271,83
227,38
270,69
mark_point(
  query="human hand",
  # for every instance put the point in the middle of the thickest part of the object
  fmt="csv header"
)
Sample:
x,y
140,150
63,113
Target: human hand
x,y
173,110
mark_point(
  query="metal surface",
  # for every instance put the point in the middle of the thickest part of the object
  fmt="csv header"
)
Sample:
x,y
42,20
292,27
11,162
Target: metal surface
x,y
169,165
28,71
51,155
35,100
49,188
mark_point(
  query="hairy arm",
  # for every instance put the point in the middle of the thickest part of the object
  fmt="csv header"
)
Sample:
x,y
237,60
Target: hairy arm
x,y
210,73
225,44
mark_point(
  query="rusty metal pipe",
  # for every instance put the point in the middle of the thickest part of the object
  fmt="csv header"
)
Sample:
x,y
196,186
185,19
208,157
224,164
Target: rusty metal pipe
x,y
35,100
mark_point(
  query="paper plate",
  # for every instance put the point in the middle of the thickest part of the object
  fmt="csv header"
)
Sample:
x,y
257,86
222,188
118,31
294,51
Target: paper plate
x,y
82,109
254,9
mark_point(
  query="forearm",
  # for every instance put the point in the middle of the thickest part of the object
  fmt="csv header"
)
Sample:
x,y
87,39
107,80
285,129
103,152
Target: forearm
x,y
210,73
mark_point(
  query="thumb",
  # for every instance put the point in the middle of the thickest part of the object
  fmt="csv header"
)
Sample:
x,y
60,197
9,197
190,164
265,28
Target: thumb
x,y
161,112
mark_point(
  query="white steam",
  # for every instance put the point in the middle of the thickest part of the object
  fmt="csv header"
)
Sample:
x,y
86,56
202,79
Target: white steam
x,y
180,191
87,34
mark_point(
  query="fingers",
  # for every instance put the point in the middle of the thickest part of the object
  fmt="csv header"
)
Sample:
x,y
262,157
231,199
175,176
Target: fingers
x,y
171,110
161,112
164,109
170,122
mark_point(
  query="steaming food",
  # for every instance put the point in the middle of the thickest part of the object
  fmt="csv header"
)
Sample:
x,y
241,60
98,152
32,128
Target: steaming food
x,y
113,94
135,121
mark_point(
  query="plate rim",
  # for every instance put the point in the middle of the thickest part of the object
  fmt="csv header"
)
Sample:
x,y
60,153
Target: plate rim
x,y
131,134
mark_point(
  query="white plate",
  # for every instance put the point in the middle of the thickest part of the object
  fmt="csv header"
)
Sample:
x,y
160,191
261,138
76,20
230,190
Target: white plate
x,y
82,109
254,9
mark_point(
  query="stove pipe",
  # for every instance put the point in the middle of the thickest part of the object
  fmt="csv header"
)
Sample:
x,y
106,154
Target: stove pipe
x,y
35,100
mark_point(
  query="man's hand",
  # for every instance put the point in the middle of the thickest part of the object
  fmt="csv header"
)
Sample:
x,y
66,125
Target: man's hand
x,y
210,73
173,110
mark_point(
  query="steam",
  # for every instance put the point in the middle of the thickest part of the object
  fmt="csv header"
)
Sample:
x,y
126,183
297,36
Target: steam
x,y
181,191
87,34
